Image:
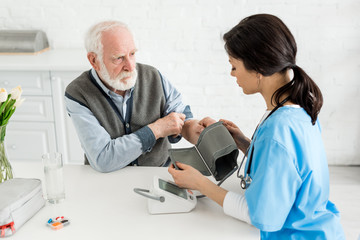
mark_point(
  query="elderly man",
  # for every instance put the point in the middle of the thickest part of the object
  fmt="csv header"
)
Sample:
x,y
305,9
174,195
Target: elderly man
x,y
125,113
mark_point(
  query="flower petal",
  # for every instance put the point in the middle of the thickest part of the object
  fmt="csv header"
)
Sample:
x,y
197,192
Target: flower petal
x,y
3,95
19,102
16,93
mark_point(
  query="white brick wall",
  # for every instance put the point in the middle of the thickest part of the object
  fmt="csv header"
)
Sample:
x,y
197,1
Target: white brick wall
x,y
183,39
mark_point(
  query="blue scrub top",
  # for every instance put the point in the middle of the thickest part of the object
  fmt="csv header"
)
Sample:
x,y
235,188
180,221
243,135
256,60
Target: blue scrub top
x,y
288,197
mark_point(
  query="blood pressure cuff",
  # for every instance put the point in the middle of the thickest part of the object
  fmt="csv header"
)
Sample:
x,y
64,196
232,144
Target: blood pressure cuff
x,y
214,154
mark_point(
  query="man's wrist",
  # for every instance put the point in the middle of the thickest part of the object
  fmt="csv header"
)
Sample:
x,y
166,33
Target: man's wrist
x,y
153,128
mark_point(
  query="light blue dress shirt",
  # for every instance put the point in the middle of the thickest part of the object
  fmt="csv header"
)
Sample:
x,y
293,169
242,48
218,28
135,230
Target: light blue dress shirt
x,y
106,154
288,197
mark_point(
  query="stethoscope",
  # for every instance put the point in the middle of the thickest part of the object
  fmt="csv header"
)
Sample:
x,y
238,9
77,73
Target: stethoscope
x,y
246,179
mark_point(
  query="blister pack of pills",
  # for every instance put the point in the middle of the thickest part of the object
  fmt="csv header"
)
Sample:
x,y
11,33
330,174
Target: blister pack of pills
x,y
58,222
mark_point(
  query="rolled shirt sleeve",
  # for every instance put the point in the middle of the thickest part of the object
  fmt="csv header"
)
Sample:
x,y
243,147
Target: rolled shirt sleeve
x,y
146,137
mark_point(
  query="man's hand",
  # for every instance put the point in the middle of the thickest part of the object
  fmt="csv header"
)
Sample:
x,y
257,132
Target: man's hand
x,y
193,128
168,126
206,121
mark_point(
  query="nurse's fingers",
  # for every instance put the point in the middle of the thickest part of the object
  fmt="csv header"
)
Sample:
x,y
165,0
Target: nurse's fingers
x,y
228,123
179,166
231,127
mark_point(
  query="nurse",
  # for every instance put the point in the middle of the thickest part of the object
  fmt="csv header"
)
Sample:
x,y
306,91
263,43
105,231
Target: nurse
x,y
288,195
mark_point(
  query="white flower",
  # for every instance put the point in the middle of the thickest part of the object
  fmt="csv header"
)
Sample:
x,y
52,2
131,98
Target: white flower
x,y
3,95
16,93
19,102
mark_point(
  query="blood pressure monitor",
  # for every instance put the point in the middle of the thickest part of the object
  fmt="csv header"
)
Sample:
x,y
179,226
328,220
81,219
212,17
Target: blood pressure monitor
x,y
167,197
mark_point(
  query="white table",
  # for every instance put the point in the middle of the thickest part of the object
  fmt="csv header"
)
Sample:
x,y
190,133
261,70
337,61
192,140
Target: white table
x,y
104,206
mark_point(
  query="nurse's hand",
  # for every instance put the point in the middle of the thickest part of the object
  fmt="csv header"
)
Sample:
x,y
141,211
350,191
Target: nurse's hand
x,y
188,177
242,142
191,178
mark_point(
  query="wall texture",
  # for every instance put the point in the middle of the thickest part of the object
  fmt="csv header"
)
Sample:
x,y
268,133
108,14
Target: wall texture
x,y
183,39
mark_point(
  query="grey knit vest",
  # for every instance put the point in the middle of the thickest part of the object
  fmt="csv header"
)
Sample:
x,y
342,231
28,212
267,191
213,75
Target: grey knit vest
x,y
148,106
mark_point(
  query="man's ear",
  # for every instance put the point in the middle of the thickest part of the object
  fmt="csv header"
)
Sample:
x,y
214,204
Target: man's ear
x,y
92,57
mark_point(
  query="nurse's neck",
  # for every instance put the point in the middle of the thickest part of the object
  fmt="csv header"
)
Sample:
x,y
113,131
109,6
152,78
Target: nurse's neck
x,y
269,84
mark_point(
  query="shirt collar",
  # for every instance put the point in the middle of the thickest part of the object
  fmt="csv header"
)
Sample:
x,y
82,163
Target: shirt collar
x,y
104,88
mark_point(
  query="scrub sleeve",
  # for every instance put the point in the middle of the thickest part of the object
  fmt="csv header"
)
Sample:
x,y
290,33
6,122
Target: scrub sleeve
x,y
275,183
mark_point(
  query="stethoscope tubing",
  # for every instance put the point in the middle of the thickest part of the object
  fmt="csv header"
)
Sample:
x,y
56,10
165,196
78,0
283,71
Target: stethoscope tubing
x,y
246,179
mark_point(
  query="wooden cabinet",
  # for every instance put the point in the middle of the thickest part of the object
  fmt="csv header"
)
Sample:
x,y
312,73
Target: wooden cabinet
x,y
41,123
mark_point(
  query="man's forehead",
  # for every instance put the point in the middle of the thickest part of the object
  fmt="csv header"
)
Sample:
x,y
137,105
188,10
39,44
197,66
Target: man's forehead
x,y
121,52
119,41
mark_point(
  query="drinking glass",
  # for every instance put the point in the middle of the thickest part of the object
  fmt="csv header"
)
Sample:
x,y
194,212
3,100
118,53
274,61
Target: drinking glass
x,y
54,182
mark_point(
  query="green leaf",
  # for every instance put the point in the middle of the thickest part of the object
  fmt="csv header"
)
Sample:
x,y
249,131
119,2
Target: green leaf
x,y
9,108
3,105
10,114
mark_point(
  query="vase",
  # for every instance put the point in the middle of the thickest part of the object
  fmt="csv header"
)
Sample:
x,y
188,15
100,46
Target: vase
x,y
5,166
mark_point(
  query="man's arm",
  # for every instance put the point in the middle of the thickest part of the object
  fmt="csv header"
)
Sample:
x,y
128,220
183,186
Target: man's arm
x,y
105,154
192,128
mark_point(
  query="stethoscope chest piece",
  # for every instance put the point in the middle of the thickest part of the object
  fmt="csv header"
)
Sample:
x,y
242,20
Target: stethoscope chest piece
x,y
245,181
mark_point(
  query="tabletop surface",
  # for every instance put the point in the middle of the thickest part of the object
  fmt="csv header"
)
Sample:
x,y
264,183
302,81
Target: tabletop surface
x,y
104,206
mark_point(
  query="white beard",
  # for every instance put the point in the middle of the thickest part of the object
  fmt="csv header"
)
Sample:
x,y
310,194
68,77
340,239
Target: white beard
x,y
118,83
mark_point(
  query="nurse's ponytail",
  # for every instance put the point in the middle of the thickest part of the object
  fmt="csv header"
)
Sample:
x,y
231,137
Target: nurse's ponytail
x,y
265,45
302,90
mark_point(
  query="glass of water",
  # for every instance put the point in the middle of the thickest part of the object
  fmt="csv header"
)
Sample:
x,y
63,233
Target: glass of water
x,y
54,182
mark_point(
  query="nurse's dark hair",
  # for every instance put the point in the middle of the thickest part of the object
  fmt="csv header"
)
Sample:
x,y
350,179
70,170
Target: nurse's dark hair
x,y
265,45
